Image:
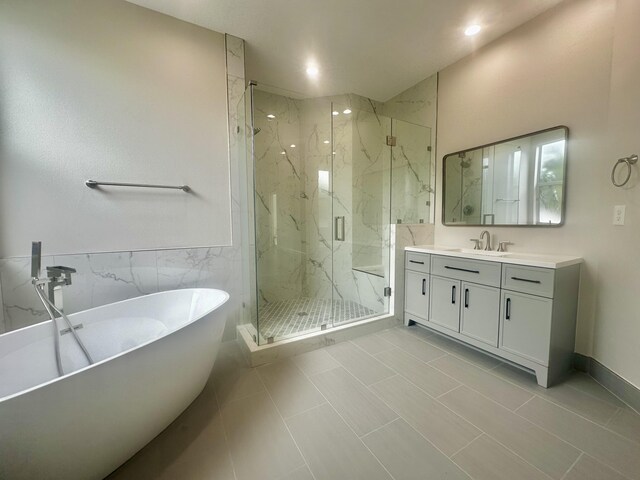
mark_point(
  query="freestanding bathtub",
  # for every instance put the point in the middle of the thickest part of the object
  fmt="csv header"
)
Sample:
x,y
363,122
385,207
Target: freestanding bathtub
x,y
153,356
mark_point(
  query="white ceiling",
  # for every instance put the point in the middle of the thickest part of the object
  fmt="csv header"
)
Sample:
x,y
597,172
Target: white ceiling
x,y
375,48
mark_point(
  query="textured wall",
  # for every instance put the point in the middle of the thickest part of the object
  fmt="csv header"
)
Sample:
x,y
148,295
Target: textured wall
x,y
115,92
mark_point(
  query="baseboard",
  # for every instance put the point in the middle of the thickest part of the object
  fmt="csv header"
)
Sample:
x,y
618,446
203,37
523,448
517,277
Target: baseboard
x,y
610,380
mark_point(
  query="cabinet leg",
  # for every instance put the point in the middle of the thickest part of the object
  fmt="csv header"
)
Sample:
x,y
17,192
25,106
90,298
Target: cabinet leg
x,y
542,376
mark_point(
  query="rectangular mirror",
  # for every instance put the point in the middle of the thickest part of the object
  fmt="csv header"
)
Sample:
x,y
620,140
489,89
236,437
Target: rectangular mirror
x,y
518,182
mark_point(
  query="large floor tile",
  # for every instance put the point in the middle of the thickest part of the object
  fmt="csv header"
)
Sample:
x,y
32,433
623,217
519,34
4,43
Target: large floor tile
x,y
359,407
446,430
302,473
260,444
546,452
359,363
479,359
486,459
408,456
290,389
237,384
501,391
193,446
563,394
372,344
626,422
612,449
588,468
412,345
315,361
417,372
587,384
332,450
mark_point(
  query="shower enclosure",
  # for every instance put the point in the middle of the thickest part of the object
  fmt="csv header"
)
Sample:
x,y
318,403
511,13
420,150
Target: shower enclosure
x,y
317,234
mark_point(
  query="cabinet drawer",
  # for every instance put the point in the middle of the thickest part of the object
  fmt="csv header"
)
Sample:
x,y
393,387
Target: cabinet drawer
x,y
418,262
537,281
477,271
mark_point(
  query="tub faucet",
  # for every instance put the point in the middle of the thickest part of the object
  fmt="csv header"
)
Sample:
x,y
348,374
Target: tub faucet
x,y
57,276
487,245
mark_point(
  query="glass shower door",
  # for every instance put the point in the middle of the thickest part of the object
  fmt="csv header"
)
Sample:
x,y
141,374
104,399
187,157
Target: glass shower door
x,y
361,173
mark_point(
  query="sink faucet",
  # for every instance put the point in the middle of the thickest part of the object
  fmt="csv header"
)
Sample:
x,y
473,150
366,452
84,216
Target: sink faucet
x,y
487,245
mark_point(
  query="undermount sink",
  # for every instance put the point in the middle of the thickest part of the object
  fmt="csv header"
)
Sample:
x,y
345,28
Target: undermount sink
x,y
484,253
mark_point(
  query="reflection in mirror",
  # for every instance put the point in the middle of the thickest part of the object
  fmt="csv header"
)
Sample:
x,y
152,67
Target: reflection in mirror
x,y
519,181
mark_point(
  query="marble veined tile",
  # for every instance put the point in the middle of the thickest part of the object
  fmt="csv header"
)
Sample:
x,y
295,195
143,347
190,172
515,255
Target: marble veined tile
x,y
194,268
235,55
21,304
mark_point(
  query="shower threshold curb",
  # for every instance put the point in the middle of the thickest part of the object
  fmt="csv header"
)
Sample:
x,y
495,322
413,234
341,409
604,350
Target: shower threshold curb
x,y
260,355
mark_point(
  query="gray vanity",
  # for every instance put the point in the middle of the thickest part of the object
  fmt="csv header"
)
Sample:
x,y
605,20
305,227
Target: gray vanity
x,y
521,308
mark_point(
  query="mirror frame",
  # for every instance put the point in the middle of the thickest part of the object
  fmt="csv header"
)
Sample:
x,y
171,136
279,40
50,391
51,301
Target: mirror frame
x,y
563,207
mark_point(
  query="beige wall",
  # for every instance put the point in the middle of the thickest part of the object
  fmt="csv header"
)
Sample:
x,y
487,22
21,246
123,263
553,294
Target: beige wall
x,y
110,91
575,65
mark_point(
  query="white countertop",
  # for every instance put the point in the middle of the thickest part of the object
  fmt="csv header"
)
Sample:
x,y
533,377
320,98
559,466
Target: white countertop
x,y
517,258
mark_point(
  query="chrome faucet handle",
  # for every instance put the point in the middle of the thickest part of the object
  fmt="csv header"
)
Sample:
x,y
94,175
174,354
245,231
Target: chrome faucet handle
x,y
476,245
502,246
60,273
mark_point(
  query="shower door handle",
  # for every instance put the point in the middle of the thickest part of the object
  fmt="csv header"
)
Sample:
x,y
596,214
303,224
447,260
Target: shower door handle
x,y
338,228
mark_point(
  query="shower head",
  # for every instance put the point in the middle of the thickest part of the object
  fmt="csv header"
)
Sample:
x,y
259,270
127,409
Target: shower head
x,y
256,131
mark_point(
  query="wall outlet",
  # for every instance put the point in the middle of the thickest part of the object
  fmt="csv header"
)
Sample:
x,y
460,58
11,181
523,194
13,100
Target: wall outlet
x,y
618,214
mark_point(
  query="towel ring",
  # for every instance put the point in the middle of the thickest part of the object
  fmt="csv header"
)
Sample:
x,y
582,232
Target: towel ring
x,y
631,160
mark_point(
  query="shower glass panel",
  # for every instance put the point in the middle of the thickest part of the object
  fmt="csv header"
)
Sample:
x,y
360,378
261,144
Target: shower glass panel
x,y
411,173
320,188
361,212
245,152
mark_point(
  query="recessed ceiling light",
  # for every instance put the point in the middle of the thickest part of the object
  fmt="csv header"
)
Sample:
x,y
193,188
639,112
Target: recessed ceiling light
x,y
472,30
283,153
271,116
312,70
293,145
347,111
326,141
334,113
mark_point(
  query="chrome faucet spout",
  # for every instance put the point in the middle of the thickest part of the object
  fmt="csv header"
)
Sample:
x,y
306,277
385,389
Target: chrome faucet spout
x,y
487,245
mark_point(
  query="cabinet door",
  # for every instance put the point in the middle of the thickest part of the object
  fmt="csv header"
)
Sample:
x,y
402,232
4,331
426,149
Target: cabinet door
x,y
480,312
444,308
526,325
416,289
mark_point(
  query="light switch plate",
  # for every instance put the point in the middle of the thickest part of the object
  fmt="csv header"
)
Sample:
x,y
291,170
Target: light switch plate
x,y
618,214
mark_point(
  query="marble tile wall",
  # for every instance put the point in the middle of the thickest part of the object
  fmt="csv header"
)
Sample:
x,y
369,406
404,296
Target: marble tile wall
x,y
104,278
239,269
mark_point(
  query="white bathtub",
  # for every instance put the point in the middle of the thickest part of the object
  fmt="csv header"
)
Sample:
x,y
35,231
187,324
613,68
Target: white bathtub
x,y
153,356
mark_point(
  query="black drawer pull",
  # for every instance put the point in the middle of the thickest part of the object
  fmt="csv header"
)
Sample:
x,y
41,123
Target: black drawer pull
x,y
424,286
416,261
508,310
453,294
461,269
525,280
466,298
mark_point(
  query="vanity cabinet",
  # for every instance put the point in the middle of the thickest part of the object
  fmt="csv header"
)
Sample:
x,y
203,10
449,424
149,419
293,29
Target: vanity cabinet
x,y
444,303
523,314
480,311
416,293
417,284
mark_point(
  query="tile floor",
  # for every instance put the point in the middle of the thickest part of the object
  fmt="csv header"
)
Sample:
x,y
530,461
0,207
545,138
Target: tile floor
x,y
400,404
